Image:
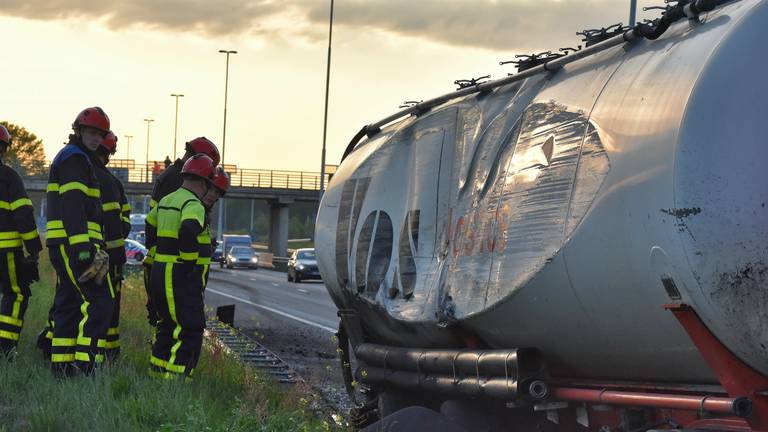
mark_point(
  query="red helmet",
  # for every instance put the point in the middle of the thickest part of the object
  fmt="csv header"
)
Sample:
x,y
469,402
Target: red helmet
x,y
199,165
221,180
109,143
205,146
5,137
94,117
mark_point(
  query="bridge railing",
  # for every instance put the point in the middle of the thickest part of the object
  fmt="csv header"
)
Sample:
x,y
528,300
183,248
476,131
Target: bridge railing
x,y
131,172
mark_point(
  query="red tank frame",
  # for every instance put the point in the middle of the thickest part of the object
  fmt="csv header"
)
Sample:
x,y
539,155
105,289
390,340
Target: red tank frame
x,y
741,384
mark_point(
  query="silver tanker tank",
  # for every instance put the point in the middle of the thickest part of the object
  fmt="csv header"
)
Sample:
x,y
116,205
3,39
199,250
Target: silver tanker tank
x,y
563,211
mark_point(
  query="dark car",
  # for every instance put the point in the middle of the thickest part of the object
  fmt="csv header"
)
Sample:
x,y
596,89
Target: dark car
x,y
303,266
217,256
242,256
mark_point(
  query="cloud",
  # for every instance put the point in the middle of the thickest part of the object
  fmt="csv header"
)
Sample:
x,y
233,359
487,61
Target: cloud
x,y
491,24
497,25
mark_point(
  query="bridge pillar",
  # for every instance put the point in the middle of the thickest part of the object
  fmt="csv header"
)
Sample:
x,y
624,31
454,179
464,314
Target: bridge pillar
x,y
278,226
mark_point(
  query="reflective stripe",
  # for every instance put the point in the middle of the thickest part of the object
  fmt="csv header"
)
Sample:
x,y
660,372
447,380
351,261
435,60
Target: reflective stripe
x,y
188,256
16,313
9,335
64,342
9,235
126,207
95,235
113,344
125,219
113,331
114,244
152,203
82,356
157,361
203,261
4,244
82,340
30,235
11,320
73,186
56,233
62,358
52,187
20,202
110,206
172,309
168,234
163,258
80,238
54,224
94,226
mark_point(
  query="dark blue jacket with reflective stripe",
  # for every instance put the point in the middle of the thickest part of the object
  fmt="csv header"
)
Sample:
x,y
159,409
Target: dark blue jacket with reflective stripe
x,y
17,217
74,204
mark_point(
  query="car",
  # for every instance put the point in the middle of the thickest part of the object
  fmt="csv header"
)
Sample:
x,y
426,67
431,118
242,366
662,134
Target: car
x,y
218,255
242,256
229,241
303,266
134,252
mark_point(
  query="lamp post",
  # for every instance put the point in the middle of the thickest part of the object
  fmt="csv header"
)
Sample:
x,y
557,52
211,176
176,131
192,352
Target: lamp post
x,y
128,147
632,12
146,156
325,118
176,122
224,140
226,88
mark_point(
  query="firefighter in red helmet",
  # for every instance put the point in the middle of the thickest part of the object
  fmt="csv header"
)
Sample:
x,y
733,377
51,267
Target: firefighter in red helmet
x,y
169,181
220,184
84,299
177,279
17,232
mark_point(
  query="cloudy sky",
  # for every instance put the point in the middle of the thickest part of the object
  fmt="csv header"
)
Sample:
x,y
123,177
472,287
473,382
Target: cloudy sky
x,y
128,56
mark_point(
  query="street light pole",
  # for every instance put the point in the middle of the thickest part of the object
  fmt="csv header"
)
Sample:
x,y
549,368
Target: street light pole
x,y
128,147
176,123
146,156
327,88
632,12
220,227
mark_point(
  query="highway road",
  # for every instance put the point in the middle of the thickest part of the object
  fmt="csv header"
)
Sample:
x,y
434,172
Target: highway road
x,y
263,296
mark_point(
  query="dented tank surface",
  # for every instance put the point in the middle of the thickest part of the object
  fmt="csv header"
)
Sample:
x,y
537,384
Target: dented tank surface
x,y
563,211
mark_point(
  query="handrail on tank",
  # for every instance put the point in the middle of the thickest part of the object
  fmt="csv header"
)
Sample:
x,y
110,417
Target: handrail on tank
x,y
683,9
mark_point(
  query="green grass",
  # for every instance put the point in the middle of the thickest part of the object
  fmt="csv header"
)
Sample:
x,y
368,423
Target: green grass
x,y
224,396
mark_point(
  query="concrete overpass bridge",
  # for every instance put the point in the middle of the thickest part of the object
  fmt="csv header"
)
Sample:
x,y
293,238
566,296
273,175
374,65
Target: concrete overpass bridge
x,y
279,189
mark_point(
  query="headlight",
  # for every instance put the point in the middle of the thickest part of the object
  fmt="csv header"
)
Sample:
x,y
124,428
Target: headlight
x,y
254,259
300,267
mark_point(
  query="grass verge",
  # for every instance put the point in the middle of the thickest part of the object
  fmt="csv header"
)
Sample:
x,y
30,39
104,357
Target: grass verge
x,y
225,395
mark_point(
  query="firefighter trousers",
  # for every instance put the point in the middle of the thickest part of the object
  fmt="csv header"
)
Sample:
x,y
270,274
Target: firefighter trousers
x,y
113,332
14,298
82,313
177,295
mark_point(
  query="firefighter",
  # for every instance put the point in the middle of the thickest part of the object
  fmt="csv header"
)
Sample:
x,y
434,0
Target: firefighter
x,y
169,181
84,299
176,282
115,228
17,231
207,243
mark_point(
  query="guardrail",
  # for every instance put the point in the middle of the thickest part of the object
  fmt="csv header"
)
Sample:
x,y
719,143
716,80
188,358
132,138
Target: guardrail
x,y
131,172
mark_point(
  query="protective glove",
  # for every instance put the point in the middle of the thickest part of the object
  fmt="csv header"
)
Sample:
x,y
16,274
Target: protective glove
x,y
31,267
97,270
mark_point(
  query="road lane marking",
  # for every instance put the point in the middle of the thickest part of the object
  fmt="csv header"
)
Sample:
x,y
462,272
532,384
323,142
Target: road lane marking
x,y
279,312
274,284
304,291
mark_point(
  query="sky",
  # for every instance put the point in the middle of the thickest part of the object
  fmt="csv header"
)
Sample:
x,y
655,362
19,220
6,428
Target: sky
x,y
128,56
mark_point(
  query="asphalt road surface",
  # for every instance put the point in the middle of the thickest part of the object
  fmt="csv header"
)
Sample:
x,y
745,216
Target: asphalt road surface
x,y
263,296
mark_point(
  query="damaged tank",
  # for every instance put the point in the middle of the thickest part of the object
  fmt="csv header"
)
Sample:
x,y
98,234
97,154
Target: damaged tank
x,y
562,210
